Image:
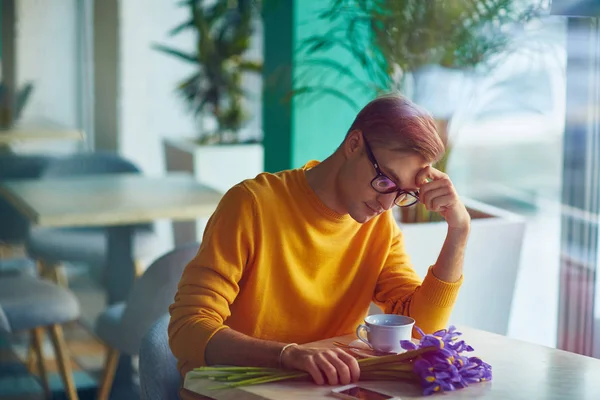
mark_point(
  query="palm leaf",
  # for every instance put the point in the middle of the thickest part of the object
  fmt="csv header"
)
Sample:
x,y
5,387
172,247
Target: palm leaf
x,y
338,67
192,80
176,53
333,10
215,13
324,90
250,66
223,36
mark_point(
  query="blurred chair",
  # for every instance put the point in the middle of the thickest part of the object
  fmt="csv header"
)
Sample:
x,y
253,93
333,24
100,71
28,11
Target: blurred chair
x,y
159,377
15,227
122,326
16,266
52,246
28,303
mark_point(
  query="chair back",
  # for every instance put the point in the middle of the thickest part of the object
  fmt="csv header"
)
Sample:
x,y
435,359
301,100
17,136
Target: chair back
x,y
97,162
159,377
15,227
152,294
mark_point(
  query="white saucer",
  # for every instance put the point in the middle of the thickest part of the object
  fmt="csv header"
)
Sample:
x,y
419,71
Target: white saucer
x,y
360,345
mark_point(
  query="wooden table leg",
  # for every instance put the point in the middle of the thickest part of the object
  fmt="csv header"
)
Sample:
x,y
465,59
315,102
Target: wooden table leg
x,y
120,268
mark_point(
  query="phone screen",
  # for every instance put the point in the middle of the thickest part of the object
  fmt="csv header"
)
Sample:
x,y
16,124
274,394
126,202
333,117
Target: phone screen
x,y
364,394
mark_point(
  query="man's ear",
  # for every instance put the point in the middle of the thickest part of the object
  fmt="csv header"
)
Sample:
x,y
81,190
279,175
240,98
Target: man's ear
x,y
353,143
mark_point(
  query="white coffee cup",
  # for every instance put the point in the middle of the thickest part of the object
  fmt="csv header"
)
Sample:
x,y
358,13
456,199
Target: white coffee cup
x,y
385,331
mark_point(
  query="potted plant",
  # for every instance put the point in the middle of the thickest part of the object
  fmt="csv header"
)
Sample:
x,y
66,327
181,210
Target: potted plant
x,y
427,50
400,46
214,93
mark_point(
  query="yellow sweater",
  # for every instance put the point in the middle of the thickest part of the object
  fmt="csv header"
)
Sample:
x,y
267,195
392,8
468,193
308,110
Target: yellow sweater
x,y
275,263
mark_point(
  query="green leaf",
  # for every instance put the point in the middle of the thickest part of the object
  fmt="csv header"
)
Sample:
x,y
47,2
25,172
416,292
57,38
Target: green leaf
x,y
250,66
333,10
185,3
176,53
192,80
181,27
317,43
340,68
325,90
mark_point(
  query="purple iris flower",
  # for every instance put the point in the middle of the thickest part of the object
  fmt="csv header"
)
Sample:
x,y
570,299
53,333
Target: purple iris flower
x,y
444,367
430,340
440,358
460,346
433,379
408,345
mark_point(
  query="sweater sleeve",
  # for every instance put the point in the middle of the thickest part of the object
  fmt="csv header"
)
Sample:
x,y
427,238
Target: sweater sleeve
x,y
399,290
209,283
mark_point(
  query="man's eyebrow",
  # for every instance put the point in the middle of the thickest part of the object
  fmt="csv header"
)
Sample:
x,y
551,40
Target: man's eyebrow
x,y
395,178
392,175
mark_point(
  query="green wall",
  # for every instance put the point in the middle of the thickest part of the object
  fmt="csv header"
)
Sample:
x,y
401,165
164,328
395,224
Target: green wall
x,y
277,70
309,126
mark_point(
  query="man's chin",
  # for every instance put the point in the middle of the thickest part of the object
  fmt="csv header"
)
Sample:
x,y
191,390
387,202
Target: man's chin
x,y
361,218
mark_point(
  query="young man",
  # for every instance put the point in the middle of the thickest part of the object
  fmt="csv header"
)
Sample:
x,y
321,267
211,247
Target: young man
x,y
298,256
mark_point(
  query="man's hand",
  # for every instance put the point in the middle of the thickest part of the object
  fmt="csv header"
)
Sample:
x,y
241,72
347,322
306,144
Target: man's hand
x,y
333,366
438,194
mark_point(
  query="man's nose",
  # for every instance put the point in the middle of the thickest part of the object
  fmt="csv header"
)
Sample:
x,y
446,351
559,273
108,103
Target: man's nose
x,y
387,200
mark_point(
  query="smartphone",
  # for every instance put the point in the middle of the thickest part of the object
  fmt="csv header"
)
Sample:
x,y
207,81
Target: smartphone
x,y
355,392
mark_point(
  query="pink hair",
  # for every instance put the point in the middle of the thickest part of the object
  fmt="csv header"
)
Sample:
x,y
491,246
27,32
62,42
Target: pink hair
x,y
394,122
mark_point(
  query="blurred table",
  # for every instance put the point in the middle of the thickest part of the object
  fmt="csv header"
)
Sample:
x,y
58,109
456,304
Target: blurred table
x,y
521,370
11,136
110,199
117,202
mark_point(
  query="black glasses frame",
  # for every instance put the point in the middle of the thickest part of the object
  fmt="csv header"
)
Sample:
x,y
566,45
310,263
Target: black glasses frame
x,y
413,196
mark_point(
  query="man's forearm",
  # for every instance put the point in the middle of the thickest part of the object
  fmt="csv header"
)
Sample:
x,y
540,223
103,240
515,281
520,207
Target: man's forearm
x,y
449,265
229,347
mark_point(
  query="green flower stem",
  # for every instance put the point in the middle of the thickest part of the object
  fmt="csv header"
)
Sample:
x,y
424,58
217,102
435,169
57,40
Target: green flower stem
x,y
388,375
393,367
406,366
236,369
409,355
245,375
265,379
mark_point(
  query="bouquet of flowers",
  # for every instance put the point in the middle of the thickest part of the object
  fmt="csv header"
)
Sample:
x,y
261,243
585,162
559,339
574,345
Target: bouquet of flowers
x,y
437,363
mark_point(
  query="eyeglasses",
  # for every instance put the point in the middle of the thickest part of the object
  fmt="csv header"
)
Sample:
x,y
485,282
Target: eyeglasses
x,y
384,184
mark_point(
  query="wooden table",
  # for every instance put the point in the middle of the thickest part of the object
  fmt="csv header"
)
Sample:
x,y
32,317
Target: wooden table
x,y
117,202
521,370
36,134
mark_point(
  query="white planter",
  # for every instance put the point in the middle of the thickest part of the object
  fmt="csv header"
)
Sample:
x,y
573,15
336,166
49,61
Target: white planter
x,y
217,166
490,269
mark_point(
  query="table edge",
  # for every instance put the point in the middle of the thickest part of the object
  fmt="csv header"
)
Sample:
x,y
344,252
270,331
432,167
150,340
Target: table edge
x,y
16,201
